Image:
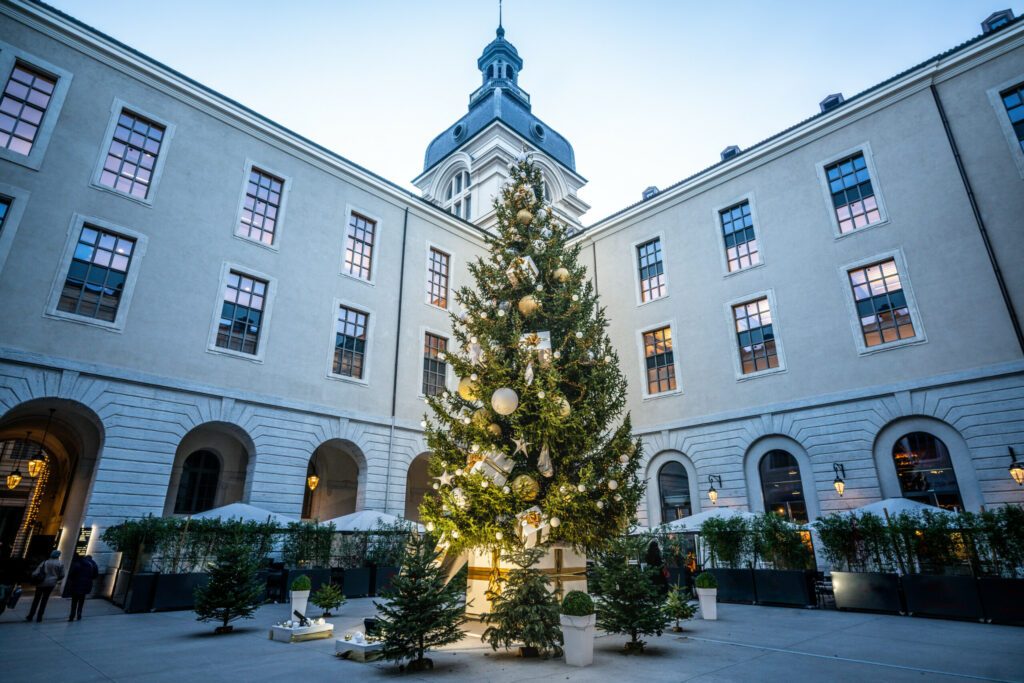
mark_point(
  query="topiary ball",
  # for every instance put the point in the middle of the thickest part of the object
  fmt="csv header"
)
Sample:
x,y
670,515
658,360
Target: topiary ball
x,y
577,604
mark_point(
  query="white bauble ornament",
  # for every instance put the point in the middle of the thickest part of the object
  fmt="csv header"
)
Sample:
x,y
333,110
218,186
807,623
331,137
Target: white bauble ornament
x,y
483,315
458,472
557,355
466,420
506,489
575,297
579,335
612,484
607,359
561,274
483,484
618,498
455,533
445,394
474,448
430,526
467,389
498,535
541,394
473,340
624,459
581,488
436,486
528,305
554,521
600,505
501,313
423,424
561,489
474,377
539,288
505,401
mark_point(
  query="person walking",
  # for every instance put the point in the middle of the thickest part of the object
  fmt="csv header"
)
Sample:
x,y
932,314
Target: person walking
x,y
48,573
80,577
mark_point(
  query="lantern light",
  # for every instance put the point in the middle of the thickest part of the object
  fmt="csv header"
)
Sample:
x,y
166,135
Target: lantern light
x,y
712,492
13,479
312,481
1016,469
839,481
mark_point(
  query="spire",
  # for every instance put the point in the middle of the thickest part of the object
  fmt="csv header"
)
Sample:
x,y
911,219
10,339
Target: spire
x,y
500,31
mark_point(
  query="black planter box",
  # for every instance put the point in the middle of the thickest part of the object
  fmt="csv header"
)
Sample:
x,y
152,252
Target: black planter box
x,y
1002,600
942,596
784,587
177,591
871,591
356,582
122,577
382,578
139,596
677,576
735,585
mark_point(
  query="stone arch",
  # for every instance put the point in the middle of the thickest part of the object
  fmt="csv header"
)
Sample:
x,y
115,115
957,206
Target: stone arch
x,y
654,466
233,447
341,466
959,453
552,176
417,484
752,460
458,161
72,449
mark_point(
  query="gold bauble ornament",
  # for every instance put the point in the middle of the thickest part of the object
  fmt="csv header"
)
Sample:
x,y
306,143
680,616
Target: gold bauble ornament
x,y
481,418
528,304
564,409
467,389
562,274
524,216
526,487
505,401
495,429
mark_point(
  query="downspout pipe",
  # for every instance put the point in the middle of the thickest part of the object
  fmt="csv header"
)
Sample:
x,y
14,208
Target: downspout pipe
x,y
398,346
979,221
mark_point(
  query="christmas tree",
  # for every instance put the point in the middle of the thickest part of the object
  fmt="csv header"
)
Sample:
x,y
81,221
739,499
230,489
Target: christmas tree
x,y
630,601
526,452
678,606
422,611
234,592
524,610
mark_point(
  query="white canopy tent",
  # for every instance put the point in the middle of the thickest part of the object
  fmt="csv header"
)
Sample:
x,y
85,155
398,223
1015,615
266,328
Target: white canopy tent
x,y
893,506
367,520
693,523
245,513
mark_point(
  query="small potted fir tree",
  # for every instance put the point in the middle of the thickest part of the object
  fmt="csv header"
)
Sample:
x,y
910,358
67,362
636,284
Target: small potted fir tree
x,y
328,598
707,593
678,606
299,595
578,621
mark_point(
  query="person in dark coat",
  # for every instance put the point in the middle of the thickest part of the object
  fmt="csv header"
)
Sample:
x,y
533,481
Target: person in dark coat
x,y
656,566
49,573
83,572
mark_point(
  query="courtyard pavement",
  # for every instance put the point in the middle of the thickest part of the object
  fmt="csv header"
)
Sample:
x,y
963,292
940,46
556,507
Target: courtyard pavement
x,y
747,643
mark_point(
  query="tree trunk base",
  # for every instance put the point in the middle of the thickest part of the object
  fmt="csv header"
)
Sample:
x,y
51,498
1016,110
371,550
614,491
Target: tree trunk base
x,y
224,629
530,652
634,648
418,665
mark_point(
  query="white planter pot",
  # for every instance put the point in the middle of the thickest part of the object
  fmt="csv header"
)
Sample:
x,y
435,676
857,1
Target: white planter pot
x,y
708,603
299,600
578,637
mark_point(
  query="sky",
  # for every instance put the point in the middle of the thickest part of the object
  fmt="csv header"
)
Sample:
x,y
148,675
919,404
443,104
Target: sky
x,y
647,91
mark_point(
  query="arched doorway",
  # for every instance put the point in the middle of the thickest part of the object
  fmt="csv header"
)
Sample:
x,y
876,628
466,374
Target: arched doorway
x,y
45,508
925,471
210,468
340,469
417,483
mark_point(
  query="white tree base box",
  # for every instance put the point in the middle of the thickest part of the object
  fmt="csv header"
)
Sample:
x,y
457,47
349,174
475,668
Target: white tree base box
x,y
357,652
566,568
297,634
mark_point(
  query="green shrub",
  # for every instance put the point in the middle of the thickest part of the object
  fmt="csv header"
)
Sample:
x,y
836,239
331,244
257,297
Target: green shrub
x,y
301,583
328,597
577,604
727,540
706,580
307,544
678,605
779,543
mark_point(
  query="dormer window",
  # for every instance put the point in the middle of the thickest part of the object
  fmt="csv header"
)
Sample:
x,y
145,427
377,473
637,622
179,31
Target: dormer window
x,y
997,20
458,199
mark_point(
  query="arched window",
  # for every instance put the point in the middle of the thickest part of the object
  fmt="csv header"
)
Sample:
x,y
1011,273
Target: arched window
x,y
458,199
674,489
490,71
197,487
780,483
925,471
508,72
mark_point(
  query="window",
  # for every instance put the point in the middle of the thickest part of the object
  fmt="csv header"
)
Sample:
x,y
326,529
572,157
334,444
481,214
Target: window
x,y
241,317
458,199
197,488
435,369
1013,100
661,368
260,207
359,246
881,303
350,343
780,484
24,102
437,277
674,489
925,471
740,242
652,270
131,158
853,197
755,336
96,276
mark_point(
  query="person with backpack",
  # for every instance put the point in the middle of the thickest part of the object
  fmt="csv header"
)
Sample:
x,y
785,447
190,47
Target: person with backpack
x,y
46,577
80,577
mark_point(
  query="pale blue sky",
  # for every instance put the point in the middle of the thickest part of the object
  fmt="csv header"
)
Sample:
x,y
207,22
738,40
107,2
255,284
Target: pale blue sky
x,y
646,91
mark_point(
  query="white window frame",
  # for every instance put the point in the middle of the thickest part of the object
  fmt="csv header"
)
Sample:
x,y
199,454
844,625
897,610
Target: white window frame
x,y
720,236
1004,121
644,387
851,305
10,54
869,159
451,263
268,307
737,363
448,373
78,221
635,261
286,183
467,191
374,255
19,200
116,107
371,320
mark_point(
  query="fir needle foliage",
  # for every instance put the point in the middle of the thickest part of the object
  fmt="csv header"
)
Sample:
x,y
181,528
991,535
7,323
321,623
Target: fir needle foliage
x,y
629,602
567,410
525,611
234,592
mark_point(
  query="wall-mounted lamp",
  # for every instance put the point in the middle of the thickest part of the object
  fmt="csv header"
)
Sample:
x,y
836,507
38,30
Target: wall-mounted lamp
x,y
712,492
35,465
312,481
1016,469
839,481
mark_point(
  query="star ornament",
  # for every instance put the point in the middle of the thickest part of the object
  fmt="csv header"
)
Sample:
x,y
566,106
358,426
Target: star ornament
x,y
521,445
445,478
